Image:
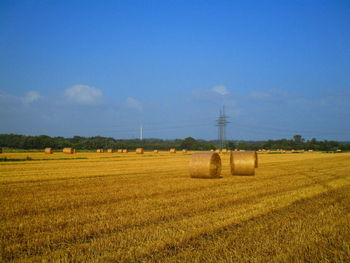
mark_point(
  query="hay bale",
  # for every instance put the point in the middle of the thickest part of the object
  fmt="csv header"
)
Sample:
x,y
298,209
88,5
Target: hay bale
x,y
205,165
100,150
125,150
139,150
69,150
243,163
184,151
48,151
120,150
110,150
218,151
212,150
155,151
224,151
172,150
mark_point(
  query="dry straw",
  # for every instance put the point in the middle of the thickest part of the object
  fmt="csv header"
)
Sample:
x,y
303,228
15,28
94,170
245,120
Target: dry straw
x,y
243,163
48,151
184,151
100,150
125,150
110,151
224,151
218,151
68,150
205,165
120,150
139,150
172,150
155,151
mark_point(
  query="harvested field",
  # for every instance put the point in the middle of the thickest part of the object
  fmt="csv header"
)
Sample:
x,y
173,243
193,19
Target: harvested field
x,y
119,207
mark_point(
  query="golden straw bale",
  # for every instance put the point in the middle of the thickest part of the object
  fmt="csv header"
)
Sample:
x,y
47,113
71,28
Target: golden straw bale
x,y
212,150
68,150
172,150
205,165
243,163
110,150
184,151
125,150
100,150
338,150
120,150
48,151
224,151
139,150
218,151
155,151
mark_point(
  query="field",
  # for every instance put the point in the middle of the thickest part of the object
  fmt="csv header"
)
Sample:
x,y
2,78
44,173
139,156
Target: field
x,y
114,207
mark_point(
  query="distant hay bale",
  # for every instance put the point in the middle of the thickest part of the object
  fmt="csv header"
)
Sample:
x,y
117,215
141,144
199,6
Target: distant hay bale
x,y
120,150
205,165
184,151
310,151
338,150
139,150
100,150
243,163
125,150
48,151
212,150
242,150
69,150
155,151
110,150
218,151
172,150
224,151
74,151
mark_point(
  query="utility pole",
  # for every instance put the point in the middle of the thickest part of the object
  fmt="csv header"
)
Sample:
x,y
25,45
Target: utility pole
x,y
221,122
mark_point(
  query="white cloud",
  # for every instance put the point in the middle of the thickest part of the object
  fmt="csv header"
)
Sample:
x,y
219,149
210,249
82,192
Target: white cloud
x,y
133,103
31,96
84,94
222,90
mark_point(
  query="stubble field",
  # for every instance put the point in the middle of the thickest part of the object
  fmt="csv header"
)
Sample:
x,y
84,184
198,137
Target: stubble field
x,y
114,207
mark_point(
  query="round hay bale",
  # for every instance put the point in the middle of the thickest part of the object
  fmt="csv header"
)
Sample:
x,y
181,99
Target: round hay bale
x,y
172,150
48,151
68,150
224,151
205,165
218,151
100,150
243,163
120,150
212,150
139,150
184,151
125,150
155,151
110,150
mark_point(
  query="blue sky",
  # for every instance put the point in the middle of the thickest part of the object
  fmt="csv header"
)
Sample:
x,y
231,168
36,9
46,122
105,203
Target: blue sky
x,y
105,67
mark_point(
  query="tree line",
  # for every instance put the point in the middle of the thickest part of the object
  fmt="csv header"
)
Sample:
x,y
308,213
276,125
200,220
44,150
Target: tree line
x,y
18,141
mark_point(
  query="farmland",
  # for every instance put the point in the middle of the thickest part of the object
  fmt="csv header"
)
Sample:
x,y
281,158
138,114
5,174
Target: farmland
x,y
114,207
